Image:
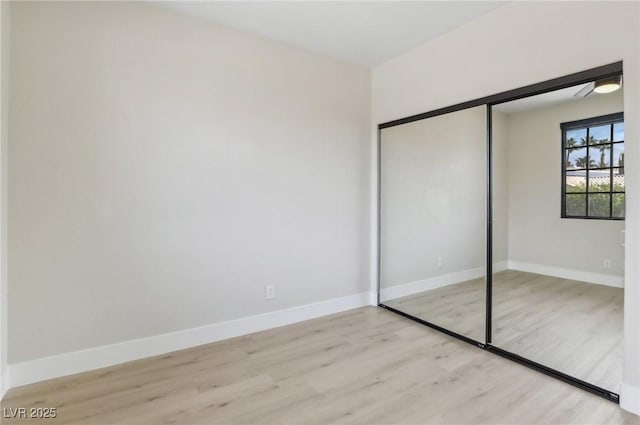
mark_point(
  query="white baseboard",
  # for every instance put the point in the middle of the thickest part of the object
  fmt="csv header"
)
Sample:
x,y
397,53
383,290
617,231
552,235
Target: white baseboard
x,y
4,384
581,276
108,355
415,287
4,377
500,266
630,398
373,298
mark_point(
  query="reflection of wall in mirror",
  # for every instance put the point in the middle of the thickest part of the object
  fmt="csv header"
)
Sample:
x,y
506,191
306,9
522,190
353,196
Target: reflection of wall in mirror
x,y
433,202
538,239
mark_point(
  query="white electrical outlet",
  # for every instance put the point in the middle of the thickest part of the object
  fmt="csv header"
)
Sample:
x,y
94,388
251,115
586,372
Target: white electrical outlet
x,y
440,261
270,292
606,263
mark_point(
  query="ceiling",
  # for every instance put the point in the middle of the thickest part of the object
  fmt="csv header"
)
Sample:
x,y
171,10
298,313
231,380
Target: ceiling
x,y
545,99
362,33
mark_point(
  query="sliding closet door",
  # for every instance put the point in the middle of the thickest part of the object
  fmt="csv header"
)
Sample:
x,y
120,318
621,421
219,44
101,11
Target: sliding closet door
x,y
558,221
433,220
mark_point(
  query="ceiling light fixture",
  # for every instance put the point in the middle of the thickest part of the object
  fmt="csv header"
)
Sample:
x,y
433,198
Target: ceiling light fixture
x,y
608,85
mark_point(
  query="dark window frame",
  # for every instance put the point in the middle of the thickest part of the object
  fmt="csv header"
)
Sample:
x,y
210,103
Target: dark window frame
x,y
610,120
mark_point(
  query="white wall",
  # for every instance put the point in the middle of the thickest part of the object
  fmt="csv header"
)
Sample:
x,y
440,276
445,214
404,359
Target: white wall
x,y
537,234
519,44
4,112
500,188
164,170
433,197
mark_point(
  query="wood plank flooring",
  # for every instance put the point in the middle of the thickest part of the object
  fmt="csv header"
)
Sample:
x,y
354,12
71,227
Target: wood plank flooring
x,y
574,327
460,307
365,366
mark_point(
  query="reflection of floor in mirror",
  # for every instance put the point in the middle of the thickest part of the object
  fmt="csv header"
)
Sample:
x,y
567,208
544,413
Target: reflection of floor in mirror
x,y
574,327
459,307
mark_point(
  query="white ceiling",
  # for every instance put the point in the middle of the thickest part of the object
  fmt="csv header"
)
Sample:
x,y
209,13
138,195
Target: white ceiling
x,y
541,100
362,33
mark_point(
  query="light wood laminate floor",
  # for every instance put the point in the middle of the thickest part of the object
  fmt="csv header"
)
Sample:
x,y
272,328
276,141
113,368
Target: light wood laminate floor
x,y
365,366
574,327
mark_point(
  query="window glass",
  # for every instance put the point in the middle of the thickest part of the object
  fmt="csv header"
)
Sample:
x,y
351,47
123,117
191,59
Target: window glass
x,y
600,134
599,156
576,205
618,132
576,158
593,168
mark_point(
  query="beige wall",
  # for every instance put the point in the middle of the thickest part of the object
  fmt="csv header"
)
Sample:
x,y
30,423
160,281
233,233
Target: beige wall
x,y
4,115
523,43
537,234
433,198
164,170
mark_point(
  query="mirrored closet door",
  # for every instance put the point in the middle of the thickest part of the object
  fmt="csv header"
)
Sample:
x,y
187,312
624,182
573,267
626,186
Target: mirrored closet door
x,y
432,220
501,223
558,204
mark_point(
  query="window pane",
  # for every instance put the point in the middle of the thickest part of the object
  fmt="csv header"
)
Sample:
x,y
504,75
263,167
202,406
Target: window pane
x,y
576,205
576,183
599,156
575,138
599,181
618,205
593,160
618,180
618,132
618,154
600,134
599,205
576,158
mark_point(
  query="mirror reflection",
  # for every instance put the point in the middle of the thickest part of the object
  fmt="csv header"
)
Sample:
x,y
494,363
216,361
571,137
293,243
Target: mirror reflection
x,y
433,220
558,209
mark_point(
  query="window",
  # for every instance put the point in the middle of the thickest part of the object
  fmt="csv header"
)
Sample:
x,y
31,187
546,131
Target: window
x,y
593,168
